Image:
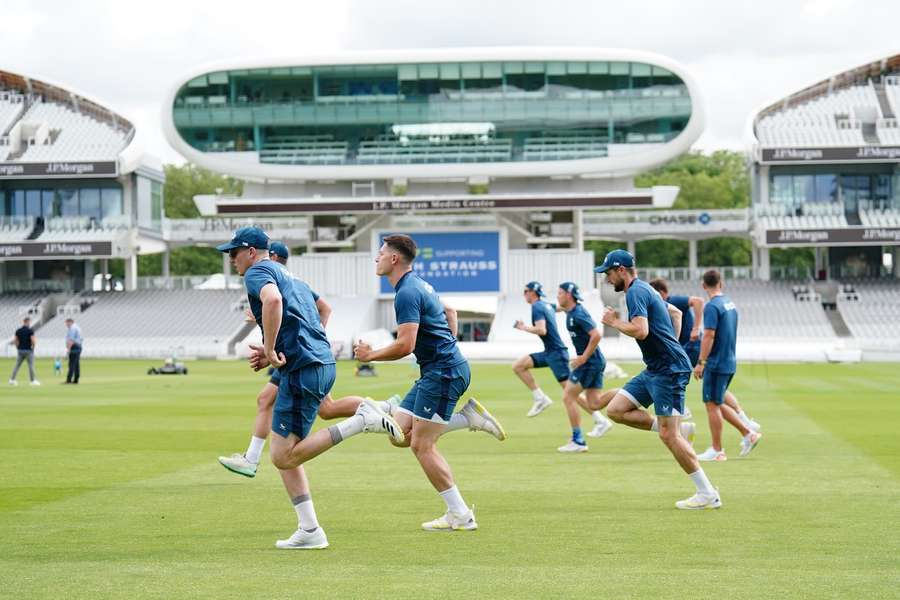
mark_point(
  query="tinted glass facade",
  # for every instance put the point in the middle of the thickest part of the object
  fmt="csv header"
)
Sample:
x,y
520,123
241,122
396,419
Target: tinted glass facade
x,y
40,199
463,111
863,187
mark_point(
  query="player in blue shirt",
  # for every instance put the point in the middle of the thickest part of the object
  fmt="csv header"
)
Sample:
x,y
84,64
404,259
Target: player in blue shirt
x,y
555,354
717,365
653,322
584,387
427,328
294,342
246,464
691,308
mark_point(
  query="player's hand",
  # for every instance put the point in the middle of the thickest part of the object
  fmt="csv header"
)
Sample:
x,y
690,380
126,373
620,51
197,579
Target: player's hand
x,y
519,325
698,372
248,316
276,359
362,351
610,316
576,362
257,358
695,334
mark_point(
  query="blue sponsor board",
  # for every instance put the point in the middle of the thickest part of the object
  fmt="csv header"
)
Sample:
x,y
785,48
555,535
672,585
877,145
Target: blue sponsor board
x,y
455,261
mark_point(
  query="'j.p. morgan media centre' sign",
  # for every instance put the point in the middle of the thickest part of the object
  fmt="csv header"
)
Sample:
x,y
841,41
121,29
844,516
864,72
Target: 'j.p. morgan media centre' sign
x,y
32,250
64,170
814,155
857,236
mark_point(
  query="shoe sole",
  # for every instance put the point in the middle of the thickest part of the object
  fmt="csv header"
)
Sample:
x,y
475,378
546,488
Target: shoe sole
x,y
449,529
316,547
572,451
235,470
704,507
487,416
752,446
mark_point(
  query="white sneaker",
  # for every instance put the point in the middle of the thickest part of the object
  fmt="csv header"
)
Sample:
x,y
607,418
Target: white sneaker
x,y
539,406
481,420
600,428
452,522
304,540
377,421
687,413
238,463
749,442
392,403
700,502
35,382
688,431
572,447
711,454
13,382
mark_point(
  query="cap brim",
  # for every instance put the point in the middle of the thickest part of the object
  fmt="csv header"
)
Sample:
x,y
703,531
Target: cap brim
x,y
601,269
227,246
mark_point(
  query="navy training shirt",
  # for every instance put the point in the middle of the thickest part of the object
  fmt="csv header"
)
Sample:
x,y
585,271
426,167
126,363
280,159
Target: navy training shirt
x,y
579,323
543,311
301,337
24,334
683,303
721,314
661,351
415,301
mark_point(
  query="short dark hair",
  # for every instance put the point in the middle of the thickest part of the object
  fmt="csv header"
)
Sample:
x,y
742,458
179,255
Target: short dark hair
x,y
403,244
659,284
712,278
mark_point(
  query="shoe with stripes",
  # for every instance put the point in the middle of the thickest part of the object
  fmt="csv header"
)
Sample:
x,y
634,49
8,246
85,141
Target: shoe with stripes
x,y
377,421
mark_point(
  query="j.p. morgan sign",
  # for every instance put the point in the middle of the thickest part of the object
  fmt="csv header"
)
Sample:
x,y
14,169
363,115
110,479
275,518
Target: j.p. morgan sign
x,y
807,155
55,250
58,169
859,236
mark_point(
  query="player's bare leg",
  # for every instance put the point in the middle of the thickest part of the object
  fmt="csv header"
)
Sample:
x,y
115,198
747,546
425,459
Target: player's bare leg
x,y
622,410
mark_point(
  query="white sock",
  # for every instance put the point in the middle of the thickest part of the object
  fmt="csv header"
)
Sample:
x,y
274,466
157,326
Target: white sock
x,y
655,425
306,513
598,417
254,450
537,394
454,501
701,481
743,417
346,428
457,421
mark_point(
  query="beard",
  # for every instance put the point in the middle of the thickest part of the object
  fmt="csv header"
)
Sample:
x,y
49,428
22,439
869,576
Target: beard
x,y
619,286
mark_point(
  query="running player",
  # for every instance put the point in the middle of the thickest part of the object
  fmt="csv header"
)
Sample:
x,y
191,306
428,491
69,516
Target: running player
x,y
427,328
691,308
247,464
717,365
662,383
587,369
294,341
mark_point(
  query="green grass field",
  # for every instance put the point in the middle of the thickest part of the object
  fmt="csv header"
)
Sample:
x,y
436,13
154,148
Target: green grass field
x,y
111,489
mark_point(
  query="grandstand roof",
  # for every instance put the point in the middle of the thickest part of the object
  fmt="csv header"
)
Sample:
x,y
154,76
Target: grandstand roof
x,y
336,127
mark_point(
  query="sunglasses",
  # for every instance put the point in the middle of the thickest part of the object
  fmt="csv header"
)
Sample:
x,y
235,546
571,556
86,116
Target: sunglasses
x,y
235,251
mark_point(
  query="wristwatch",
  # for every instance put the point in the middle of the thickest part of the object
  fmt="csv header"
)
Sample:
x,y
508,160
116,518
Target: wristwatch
x,y
702,362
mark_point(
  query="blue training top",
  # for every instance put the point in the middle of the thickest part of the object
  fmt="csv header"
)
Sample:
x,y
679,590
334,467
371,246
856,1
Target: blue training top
x,y
721,314
683,303
415,301
662,352
579,323
542,311
301,337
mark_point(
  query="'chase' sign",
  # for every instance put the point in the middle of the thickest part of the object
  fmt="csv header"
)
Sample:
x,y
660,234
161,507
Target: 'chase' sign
x,y
455,261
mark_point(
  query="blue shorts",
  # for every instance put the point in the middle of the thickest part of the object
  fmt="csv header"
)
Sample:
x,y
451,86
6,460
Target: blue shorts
x,y
715,385
557,361
275,378
299,394
692,349
664,390
588,376
433,397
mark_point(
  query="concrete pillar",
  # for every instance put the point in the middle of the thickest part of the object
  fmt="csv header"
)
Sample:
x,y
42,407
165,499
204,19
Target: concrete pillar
x,y
104,271
578,229
763,178
692,259
165,264
131,273
764,264
226,268
2,276
630,245
89,275
895,265
754,258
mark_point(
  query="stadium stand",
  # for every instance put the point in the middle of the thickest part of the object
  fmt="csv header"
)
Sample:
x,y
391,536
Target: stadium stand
x,y
393,149
11,305
811,216
73,229
15,229
60,133
871,310
880,217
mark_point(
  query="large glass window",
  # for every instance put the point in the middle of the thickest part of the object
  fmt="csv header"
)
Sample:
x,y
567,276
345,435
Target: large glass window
x,y
89,199
48,206
33,203
156,204
68,202
110,202
19,203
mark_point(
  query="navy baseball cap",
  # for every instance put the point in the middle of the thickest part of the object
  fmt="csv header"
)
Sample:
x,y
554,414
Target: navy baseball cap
x,y
615,259
572,288
536,287
279,249
246,237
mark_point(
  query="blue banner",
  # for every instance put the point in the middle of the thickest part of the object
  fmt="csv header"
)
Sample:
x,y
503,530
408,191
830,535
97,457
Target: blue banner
x,y
456,261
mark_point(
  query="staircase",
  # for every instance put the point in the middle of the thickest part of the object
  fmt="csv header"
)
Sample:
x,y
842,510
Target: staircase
x,y
837,321
886,110
870,134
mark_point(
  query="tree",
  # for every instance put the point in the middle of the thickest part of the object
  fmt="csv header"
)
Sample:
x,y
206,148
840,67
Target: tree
x,y
186,181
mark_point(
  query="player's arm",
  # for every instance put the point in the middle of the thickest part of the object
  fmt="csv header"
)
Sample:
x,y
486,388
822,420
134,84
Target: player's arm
x,y
539,327
400,347
696,303
709,336
324,311
33,343
593,341
676,316
271,322
637,327
452,322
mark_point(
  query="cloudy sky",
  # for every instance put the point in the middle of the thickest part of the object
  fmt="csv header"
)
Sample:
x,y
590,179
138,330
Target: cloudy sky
x,y
743,53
